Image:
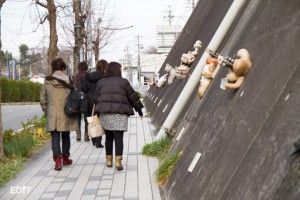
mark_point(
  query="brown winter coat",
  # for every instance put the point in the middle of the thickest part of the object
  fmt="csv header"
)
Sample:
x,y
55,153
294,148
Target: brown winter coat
x,y
53,99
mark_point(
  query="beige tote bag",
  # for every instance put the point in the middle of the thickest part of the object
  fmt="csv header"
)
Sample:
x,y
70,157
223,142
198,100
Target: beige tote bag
x,y
94,127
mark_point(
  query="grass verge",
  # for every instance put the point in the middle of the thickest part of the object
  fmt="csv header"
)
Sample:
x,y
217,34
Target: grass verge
x,y
158,148
166,168
9,168
18,146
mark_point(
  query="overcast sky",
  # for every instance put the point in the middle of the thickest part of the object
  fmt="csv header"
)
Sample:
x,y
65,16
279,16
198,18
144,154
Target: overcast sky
x,y
19,24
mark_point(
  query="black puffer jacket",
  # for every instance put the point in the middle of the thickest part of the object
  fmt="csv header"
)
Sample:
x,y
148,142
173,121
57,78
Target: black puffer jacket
x,y
89,88
114,95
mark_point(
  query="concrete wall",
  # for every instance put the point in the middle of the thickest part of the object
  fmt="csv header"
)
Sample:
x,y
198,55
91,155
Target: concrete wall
x,y
201,25
244,136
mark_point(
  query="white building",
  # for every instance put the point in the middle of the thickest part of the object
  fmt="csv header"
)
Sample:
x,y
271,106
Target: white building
x,y
151,63
166,35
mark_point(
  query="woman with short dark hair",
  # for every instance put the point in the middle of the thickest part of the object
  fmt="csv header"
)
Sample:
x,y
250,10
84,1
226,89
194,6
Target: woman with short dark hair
x,y
115,100
82,71
53,99
58,64
101,65
89,88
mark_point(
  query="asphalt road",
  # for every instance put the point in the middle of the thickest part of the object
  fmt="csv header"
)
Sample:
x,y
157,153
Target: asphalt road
x,y
12,116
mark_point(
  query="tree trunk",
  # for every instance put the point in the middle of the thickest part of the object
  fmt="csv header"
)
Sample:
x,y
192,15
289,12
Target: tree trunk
x,y
77,33
96,44
2,156
53,49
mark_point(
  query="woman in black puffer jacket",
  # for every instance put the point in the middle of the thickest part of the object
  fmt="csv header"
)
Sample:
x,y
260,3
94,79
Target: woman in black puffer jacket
x,y
115,100
89,87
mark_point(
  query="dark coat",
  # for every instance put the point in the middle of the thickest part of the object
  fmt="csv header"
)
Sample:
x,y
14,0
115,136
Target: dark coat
x,y
88,86
114,95
80,75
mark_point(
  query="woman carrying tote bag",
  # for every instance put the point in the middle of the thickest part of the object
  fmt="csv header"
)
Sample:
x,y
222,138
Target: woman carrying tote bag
x,y
115,100
89,88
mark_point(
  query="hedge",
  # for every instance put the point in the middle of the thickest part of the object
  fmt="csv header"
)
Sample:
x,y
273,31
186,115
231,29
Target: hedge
x,y
19,90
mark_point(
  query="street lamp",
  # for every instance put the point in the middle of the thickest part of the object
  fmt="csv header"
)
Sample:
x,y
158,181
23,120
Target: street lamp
x,y
116,29
112,29
31,66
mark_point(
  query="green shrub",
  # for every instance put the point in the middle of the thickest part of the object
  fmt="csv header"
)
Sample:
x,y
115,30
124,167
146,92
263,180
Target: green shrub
x,y
41,122
8,135
139,94
14,91
158,148
19,146
25,93
23,142
38,88
19,90
35,89
10,168
5,89
166,168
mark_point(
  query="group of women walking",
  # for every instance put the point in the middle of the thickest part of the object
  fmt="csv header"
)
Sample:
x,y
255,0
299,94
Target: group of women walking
x,y
114,100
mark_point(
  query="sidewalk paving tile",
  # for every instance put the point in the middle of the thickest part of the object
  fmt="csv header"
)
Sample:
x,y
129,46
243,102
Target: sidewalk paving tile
x,y
88,177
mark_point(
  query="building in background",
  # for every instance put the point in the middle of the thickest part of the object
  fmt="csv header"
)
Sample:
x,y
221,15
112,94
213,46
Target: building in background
x,y
166,35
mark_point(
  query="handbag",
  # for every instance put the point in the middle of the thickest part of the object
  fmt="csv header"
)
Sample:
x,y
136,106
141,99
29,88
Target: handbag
x,y
72,106
94,127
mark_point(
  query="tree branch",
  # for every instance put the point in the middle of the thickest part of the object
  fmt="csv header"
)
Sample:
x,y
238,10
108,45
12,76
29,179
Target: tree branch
x,y
42,4
44,19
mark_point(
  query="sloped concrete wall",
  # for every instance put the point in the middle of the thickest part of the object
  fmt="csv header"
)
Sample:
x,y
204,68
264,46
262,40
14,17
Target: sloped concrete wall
x,y
244,136
201,25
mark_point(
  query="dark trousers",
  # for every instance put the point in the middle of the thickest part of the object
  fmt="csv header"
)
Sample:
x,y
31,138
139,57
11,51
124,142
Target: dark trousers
x,y
85,115
110,137
97,140
66,143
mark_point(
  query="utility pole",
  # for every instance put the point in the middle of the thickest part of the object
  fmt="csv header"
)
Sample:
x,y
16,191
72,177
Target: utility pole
x,y
139,46
170,16
129,70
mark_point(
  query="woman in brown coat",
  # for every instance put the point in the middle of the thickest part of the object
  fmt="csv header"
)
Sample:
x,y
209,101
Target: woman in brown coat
x,y
53,99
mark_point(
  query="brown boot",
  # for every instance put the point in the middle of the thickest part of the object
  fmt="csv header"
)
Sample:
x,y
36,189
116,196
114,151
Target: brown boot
x,y
67,161
109,160
78,135
86,137
57,160
119,165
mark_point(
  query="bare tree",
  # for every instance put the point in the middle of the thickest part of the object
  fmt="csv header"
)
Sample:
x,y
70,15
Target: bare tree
x,y
101,36
2,156
51,17
87,32
79,30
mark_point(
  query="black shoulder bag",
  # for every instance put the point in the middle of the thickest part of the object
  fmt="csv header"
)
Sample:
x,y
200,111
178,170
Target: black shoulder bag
x,y
72,106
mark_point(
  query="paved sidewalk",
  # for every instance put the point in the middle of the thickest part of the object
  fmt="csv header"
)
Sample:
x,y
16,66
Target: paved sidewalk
x,y
88,178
